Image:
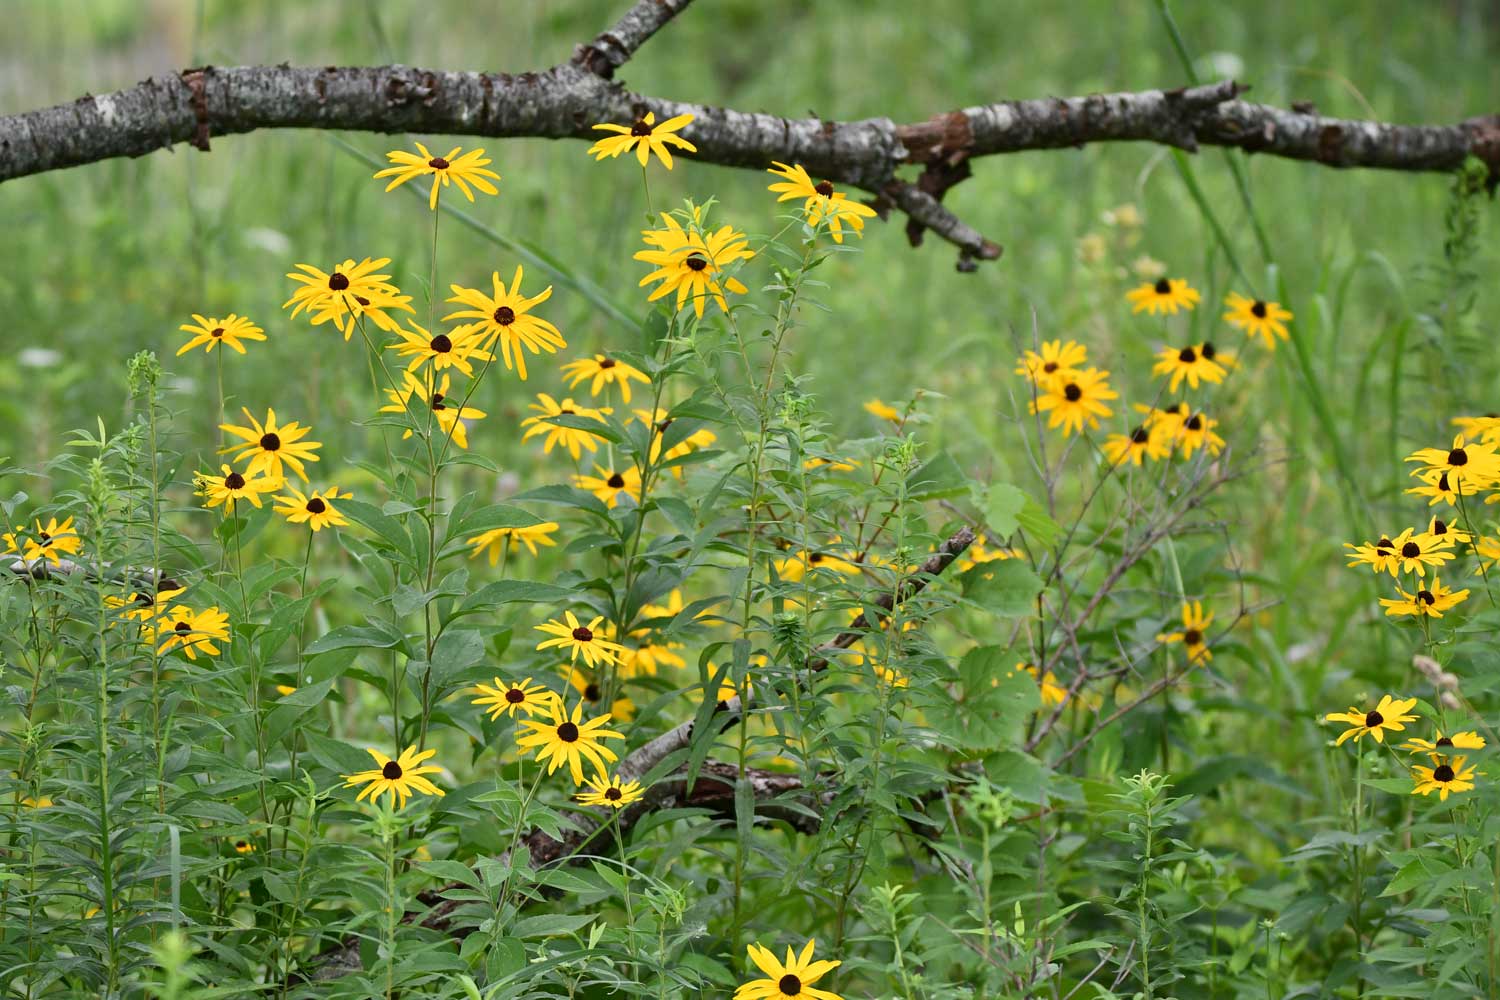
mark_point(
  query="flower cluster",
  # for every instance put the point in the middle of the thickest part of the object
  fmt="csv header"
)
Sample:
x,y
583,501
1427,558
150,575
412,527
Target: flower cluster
x,y
1445,773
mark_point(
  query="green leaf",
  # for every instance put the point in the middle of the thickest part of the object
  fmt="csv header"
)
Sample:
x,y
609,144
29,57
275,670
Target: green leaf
x,y
550,924
1002,509
385,527
363,636
493,595
337,756
498,515
938,479
1006,587
994,699
1038,524
455,650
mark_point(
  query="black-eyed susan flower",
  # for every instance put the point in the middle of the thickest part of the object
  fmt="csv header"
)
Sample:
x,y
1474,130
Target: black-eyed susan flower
x,y
659,421
270,446
1380,556
396,778
142,607
51,541
592,693
1446,778
192,632
244,847
1194,633
315,509
820,202
209,332
230,487
1167,420
1413,552
1258,318
823,464
884,411
1189,363
600,371
436,395
1485,428
1439,487
1075,401
648,657
644,136
456,167
982,551
1052,692
506,316
496,539
1469,463
1427,601
1140,444
1165,295
508,698
1197,431
1440,744
789,980
1057,359
609,485
1487,550
346,293
457,349
574,440
795,567
285,689
693,264
610,792
576,638
1446,531
41,802
1388,716
563,739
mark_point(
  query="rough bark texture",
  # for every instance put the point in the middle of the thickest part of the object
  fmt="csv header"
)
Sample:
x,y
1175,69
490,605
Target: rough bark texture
x,y
565,101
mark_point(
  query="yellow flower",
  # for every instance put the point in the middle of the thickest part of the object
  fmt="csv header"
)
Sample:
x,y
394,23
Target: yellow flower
x,y
508,698
610,792
645,137
572,439
269,446
1140,444
884,411
1194,634
648,658
1445,778
436,395
1485,428
51,542
1165,295
1058,360
820,202
578,638
1446,531
497,538
346,293
794,568
1197,431
1441,744
980,552
789,980
45,802
1441,488
191,631
588,688
1487,550
285,689
397,778
604,370
141,606
1431,603
608,485
1390,715
822,464
1194,363
316,510
230,487
244,847
1053,693
1257,317
456,350
506,316
1467,463
1076,400
1381,556
563,739
209,332
692,264
658,421
464,170
1412,552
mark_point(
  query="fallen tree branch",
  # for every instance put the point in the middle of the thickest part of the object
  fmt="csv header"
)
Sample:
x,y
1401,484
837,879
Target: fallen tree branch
x,y
565,101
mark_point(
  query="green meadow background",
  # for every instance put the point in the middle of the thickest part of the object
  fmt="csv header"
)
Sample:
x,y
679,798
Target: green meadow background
x,y
105,260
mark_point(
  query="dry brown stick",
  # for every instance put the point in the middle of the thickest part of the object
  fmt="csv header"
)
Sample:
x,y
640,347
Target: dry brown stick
x,y
614,47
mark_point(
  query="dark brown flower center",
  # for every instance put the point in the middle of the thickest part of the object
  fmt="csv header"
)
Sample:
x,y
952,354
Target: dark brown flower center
x,y
1411,550
1050,367
234,481
1443,483
338,282
613,794
696,262
1442,773
615,481
1458,457
591,692
438,163
567,732
1385,543
1258,309
505,315
583,634
640,128
515,696
240,845
1373,719
437,401
182,627
1426,597
815,558
566,409
44,538
789,985
607,363
1192,637
1439,526
1187,355
316,505
391,771
1163,287
361,300
1140,435
217,331
270,442
1444,742
1194,423
1208,351
441,344
1072,392
823,188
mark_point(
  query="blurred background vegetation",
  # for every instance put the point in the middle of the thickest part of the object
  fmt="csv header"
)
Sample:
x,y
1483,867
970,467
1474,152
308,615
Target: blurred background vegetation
x,y
105,260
